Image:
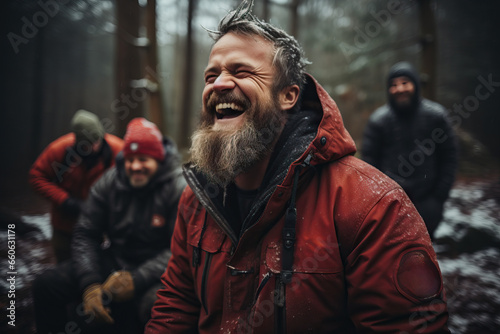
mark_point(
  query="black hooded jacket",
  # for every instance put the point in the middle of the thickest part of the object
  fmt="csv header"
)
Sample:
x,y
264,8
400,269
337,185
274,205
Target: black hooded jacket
x,y
416,147
138,223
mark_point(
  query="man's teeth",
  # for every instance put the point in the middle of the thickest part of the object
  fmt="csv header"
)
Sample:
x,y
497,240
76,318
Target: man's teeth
x,y
228,106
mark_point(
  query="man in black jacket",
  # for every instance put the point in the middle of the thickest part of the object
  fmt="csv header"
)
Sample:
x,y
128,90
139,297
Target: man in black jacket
x,y
411,140
121,242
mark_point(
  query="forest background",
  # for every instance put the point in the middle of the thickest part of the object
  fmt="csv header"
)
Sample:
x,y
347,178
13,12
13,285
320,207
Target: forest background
x,y
126,58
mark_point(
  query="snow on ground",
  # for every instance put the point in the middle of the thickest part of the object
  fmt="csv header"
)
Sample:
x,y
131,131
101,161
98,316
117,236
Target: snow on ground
x,y
468,247
30,258
467,209
42,222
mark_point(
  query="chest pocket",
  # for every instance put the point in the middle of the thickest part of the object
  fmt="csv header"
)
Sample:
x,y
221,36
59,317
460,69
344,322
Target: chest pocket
x,y
317,288
203,233
313,258
316,249
209,251
317,263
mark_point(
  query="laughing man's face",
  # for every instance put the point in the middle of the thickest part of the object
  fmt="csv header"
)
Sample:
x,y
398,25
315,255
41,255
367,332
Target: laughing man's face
x,y
239,73
242,115
140,169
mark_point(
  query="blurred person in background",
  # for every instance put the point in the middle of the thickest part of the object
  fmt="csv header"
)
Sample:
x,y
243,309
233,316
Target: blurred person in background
x,y
121,243
411,140
65,171
281,229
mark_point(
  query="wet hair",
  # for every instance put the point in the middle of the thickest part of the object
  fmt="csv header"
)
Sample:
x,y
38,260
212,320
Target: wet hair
x,y
289,60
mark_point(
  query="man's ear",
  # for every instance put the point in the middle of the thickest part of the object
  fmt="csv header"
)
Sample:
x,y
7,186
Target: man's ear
x,y
288,97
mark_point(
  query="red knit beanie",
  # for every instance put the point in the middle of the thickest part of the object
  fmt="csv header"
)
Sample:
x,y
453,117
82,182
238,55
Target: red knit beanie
x,y
143,137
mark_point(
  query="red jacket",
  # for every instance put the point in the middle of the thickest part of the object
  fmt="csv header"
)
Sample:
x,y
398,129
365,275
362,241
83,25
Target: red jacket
x,y
362,258
59,173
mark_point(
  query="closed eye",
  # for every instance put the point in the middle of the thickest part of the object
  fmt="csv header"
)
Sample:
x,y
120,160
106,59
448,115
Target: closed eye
x,y
243,72
210,78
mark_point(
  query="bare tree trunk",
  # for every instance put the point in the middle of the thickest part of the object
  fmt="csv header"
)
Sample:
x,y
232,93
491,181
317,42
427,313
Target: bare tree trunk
x,y
129,101
428,40
38,96
294,29
185,132
265,10
155,103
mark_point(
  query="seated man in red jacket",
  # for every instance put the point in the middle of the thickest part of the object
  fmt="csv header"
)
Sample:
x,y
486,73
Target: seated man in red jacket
x,y
281,229
67,168
133,208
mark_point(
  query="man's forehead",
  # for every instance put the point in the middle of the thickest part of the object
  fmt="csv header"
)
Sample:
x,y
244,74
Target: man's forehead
x,y
242,44
401,78
139,156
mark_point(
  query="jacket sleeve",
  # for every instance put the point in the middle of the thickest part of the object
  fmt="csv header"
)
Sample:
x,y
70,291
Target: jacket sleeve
x,y
394,283
177,308
89,232
149,272
47,171
371,146
447,160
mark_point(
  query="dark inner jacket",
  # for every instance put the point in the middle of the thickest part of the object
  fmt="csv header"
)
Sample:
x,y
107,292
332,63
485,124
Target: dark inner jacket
x,y
137,222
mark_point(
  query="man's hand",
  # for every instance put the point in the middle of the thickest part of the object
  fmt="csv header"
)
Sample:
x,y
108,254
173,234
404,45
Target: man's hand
x,y
72,206
92,304
120,285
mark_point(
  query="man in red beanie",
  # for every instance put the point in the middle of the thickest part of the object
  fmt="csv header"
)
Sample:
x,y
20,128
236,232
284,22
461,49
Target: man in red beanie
x,y
143,149
133,208
65,170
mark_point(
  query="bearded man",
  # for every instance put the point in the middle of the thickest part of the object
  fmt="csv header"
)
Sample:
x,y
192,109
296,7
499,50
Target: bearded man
x,y
411,140
281,229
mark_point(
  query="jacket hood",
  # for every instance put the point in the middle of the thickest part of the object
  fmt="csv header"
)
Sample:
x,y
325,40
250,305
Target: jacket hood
x,y
313,135
166,170
332,140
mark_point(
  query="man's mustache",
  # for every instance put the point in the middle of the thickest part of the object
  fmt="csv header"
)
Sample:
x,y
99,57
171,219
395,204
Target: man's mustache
x,y
231,97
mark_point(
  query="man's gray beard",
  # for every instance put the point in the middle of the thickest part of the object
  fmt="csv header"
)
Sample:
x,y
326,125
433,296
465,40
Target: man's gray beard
x,y
224,154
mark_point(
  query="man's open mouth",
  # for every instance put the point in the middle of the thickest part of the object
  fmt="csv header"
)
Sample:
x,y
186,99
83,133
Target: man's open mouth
x,y
228,110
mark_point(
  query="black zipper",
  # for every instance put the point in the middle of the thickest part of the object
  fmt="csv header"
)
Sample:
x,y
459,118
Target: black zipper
x,y
279,306
265,279
204,279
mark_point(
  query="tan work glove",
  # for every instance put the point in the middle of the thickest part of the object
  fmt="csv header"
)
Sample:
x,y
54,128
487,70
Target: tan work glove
x,y
92,304
120,285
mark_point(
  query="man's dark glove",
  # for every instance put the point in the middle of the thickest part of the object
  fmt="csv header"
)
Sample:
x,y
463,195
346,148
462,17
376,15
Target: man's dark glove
x,y
72,206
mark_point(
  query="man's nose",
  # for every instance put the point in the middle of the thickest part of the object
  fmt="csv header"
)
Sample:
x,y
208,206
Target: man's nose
x,y
223,82
399,88
136,165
